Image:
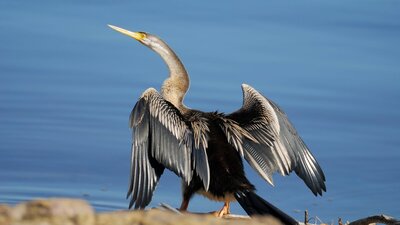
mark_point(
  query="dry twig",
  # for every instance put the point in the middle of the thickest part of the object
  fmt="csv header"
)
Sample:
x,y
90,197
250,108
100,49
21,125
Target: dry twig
x,y
376,219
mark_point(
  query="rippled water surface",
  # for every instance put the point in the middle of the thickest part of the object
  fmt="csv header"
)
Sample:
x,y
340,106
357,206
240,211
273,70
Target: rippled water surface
x,y
68,83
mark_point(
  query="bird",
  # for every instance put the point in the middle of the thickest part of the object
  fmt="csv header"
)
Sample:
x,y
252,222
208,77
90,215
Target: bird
x,y
206,149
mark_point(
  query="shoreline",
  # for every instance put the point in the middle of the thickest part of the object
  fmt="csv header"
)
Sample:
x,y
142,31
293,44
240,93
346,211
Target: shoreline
x,y
67,211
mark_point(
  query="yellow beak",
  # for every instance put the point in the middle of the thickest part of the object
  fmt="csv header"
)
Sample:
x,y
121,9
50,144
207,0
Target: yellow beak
x,y
136,35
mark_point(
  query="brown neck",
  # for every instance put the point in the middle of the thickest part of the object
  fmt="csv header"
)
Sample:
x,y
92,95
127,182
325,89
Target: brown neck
x,y
177,84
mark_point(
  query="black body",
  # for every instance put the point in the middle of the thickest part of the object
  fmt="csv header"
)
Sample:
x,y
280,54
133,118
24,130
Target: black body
x,y
226,166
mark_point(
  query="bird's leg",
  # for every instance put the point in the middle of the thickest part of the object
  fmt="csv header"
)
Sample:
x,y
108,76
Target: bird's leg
x,y
186,196
224,211
184,205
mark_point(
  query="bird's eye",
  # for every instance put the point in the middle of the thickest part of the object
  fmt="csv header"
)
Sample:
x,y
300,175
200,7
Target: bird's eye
x,y
143,34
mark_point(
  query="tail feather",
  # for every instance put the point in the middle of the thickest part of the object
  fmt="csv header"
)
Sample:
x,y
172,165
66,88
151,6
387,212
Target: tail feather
x,y
255,205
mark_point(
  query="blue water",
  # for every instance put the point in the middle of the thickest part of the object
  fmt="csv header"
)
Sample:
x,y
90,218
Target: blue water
x,y
68,83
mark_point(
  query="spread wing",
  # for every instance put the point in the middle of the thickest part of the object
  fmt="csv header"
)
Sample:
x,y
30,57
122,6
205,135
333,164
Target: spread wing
x,y
160,139
274,144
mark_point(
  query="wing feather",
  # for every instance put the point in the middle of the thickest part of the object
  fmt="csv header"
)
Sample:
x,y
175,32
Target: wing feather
x,y
157,133
200,144
277,146
160,139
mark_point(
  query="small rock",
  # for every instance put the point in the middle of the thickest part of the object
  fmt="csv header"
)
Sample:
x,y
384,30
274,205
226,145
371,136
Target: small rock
x,y
56,211
5,215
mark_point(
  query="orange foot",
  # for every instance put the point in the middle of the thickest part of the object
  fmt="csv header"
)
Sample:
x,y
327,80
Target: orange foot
x,y
224,211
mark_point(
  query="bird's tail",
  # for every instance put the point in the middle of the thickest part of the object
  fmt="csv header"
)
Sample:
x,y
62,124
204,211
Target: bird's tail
x,y
255,205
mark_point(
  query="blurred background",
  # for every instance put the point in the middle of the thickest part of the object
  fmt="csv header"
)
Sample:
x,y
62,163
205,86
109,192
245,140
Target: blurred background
x,y
68,84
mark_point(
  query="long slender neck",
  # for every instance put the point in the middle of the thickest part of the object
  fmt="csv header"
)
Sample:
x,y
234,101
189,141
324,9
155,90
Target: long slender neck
x,y
177,84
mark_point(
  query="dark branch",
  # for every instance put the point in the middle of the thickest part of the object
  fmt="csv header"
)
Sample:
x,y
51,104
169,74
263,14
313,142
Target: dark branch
x,y
376,219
